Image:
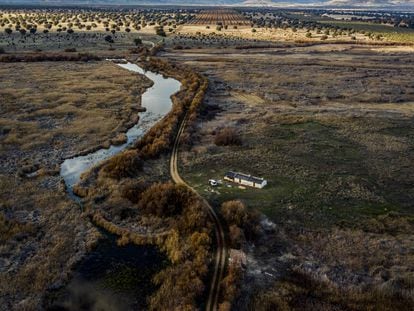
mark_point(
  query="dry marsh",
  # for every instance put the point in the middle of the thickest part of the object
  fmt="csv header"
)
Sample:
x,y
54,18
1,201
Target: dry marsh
x,y
50,111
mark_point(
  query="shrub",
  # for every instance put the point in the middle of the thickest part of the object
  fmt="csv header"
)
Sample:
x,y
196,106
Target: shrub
x,y
164,199
123,165
109,39
227,137
234,212
2,51
324,37
70,50
54,57
133,189
160,31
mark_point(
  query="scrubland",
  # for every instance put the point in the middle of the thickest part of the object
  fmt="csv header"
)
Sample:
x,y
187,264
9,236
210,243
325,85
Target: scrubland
x,y
330,128
50,111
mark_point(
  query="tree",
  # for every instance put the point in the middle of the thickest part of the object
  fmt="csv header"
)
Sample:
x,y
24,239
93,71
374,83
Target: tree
x,y
33,31
160,31
137,41
234,212
109,39
8,31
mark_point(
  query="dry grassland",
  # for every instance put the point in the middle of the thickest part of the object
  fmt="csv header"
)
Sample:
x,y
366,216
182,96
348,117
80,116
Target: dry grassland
x,y
331,129
64,105
49,111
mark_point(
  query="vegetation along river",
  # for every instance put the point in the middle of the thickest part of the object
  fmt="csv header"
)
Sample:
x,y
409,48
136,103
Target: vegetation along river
x,y
112,277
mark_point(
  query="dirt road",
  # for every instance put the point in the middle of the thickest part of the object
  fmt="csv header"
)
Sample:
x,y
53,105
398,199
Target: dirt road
x,y
221,251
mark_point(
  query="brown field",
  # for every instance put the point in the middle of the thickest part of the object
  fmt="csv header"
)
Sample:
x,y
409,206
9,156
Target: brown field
x,y
330,128
44,119
220,17
265,34
63,106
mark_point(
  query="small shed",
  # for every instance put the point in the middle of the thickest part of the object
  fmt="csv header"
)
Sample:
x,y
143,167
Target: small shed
x,y
245,180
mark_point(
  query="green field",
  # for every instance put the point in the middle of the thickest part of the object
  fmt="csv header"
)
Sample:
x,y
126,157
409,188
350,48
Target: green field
x,y
316,175
391,33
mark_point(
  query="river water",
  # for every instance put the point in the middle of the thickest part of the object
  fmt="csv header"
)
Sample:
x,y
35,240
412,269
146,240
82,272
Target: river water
x,y
113,278
156,100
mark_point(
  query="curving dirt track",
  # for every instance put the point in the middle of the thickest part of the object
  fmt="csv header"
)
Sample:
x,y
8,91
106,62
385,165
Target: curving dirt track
x,y
220,257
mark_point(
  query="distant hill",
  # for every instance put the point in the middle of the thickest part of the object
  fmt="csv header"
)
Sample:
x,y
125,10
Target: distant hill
x,y
372,4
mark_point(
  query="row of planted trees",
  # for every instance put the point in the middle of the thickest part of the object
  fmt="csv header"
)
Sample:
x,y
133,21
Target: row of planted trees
x,y
62,20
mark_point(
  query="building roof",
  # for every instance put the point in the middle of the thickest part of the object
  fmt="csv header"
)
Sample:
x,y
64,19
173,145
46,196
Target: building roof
x,y
234,175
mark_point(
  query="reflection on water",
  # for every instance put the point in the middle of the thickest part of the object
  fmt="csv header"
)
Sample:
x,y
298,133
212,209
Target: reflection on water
x,y
110,278
156,100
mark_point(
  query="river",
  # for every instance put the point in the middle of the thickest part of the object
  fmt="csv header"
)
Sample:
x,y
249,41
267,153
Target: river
x,y
112,277
157,102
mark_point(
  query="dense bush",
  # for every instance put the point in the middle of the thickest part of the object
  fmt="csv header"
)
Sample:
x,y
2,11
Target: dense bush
x,y
49,57
234,212
164,199
227,137
70,50
133,189
243,225
123,165
160,138
187,243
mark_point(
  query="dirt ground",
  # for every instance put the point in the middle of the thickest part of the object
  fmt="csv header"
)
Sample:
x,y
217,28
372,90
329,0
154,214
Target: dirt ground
x,y
331,129
265,34
44,119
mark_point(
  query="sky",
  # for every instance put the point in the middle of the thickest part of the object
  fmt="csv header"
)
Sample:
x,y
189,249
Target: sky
x,y
281,3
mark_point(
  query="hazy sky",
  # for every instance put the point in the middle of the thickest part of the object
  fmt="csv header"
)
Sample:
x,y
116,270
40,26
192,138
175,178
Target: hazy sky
x,y
341,3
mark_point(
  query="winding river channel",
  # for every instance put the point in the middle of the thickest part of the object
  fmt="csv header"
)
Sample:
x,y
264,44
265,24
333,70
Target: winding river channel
x,y
157,102
111,277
